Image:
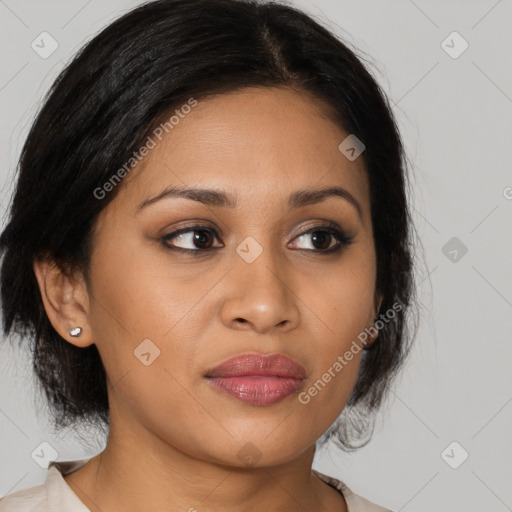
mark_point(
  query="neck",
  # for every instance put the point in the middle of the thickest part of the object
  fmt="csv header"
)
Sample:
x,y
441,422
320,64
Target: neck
x,y
139,471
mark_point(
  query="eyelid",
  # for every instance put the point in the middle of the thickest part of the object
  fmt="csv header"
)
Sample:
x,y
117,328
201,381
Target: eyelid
x,y
342,237
197,227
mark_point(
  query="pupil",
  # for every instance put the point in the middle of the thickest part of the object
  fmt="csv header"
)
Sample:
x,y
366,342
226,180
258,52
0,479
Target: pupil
x,y
200,238
320,238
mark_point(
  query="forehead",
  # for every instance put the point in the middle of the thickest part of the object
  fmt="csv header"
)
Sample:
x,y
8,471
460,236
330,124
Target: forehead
x,y
259,142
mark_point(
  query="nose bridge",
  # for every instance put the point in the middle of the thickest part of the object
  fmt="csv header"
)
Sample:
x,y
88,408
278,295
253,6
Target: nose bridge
x,y
258,266
262,274
260,295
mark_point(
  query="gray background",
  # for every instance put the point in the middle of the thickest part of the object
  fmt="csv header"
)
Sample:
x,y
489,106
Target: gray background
x,y
454,114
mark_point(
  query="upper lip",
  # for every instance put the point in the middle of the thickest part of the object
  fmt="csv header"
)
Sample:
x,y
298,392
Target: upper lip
x,y
251,364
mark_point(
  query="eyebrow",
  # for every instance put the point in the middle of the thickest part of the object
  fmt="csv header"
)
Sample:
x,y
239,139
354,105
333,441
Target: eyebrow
x,y
222,199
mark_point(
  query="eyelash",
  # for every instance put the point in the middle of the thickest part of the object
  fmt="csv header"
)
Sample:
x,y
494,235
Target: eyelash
x,y
341,236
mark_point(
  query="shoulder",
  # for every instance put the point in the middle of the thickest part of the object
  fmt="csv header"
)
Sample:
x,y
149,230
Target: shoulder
x,y
54,495
33,499
355,503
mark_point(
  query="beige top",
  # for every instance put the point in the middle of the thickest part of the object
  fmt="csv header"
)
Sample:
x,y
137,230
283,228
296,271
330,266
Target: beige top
x,y
55,495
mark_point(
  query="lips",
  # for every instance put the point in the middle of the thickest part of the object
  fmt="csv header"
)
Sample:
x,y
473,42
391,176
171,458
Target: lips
x,y
257,379
274,365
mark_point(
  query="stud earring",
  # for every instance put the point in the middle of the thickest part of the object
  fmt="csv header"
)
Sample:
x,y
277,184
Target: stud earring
x,y
76,331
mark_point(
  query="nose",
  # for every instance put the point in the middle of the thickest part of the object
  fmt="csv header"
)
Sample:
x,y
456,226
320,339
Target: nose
x,y
259,296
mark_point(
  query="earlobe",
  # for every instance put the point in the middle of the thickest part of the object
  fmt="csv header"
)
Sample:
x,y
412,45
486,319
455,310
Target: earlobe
x,y
64,301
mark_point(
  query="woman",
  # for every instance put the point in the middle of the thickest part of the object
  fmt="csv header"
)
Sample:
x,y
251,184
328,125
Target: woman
x,y
209,249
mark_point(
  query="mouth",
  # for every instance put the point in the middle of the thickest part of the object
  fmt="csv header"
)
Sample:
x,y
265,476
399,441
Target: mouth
x,y
257,379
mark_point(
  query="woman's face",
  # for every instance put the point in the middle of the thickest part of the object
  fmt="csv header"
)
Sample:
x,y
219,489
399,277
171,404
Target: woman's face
x,y
260,280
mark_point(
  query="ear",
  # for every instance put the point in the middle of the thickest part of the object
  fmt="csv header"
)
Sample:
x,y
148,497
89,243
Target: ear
x,y
373,318
66,301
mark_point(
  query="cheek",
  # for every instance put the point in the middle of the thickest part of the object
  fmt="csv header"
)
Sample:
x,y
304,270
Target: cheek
x,y
149,320
135,300
140,294
351,292
340,309
342,298
147,338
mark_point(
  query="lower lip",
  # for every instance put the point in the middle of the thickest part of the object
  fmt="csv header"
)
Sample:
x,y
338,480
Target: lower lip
x,y
257,390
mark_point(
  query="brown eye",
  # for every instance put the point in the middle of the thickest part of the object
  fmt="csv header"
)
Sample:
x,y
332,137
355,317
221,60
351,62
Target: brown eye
x,y
202,239
323,240
192,239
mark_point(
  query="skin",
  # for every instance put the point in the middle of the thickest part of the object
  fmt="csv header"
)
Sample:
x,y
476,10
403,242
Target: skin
x,y
174,441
